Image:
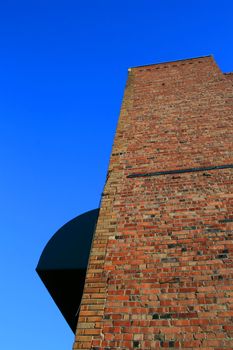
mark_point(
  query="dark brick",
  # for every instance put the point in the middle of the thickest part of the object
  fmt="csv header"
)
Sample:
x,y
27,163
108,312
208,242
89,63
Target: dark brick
x,y
171,344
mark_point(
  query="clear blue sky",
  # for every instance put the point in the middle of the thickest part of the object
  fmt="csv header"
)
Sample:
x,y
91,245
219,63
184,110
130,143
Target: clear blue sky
x,y
63,67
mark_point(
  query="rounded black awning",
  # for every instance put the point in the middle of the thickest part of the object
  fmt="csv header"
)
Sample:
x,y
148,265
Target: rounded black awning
x,y
63,263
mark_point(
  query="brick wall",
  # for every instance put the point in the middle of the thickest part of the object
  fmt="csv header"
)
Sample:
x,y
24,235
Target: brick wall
x,y
160,272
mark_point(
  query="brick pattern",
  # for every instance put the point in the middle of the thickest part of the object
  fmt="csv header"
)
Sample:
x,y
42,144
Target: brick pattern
x,y
160,273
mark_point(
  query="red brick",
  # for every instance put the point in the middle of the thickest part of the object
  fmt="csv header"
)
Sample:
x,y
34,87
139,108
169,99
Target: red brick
x,y
161,264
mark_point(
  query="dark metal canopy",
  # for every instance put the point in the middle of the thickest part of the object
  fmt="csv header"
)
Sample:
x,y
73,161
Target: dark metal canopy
x,y
63,263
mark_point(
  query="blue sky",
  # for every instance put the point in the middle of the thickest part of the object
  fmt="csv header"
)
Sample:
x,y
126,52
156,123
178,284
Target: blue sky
x,y
63,68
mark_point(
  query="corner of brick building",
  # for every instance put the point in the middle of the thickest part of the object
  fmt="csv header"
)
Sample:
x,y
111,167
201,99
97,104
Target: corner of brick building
x,y
160,269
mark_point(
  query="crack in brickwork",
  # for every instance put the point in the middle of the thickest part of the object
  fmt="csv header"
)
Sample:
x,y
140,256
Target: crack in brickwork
x,y
182,171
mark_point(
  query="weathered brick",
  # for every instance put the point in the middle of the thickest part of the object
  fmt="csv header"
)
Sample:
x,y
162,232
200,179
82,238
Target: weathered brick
x,y
160,272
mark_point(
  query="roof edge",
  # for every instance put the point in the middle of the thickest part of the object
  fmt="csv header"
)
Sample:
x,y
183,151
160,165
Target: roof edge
x,y
167,62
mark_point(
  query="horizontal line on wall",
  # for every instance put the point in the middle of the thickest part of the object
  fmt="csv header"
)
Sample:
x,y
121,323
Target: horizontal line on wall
x,y
181,171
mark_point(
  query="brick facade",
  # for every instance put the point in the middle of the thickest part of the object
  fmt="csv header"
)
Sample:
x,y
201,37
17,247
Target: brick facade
x,y
160,272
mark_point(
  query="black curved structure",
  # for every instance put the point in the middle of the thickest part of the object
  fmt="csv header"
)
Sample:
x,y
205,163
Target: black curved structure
x,y
63,263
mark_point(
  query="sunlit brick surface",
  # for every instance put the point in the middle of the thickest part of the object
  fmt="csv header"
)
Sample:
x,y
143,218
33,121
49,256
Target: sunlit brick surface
x,y
160,273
